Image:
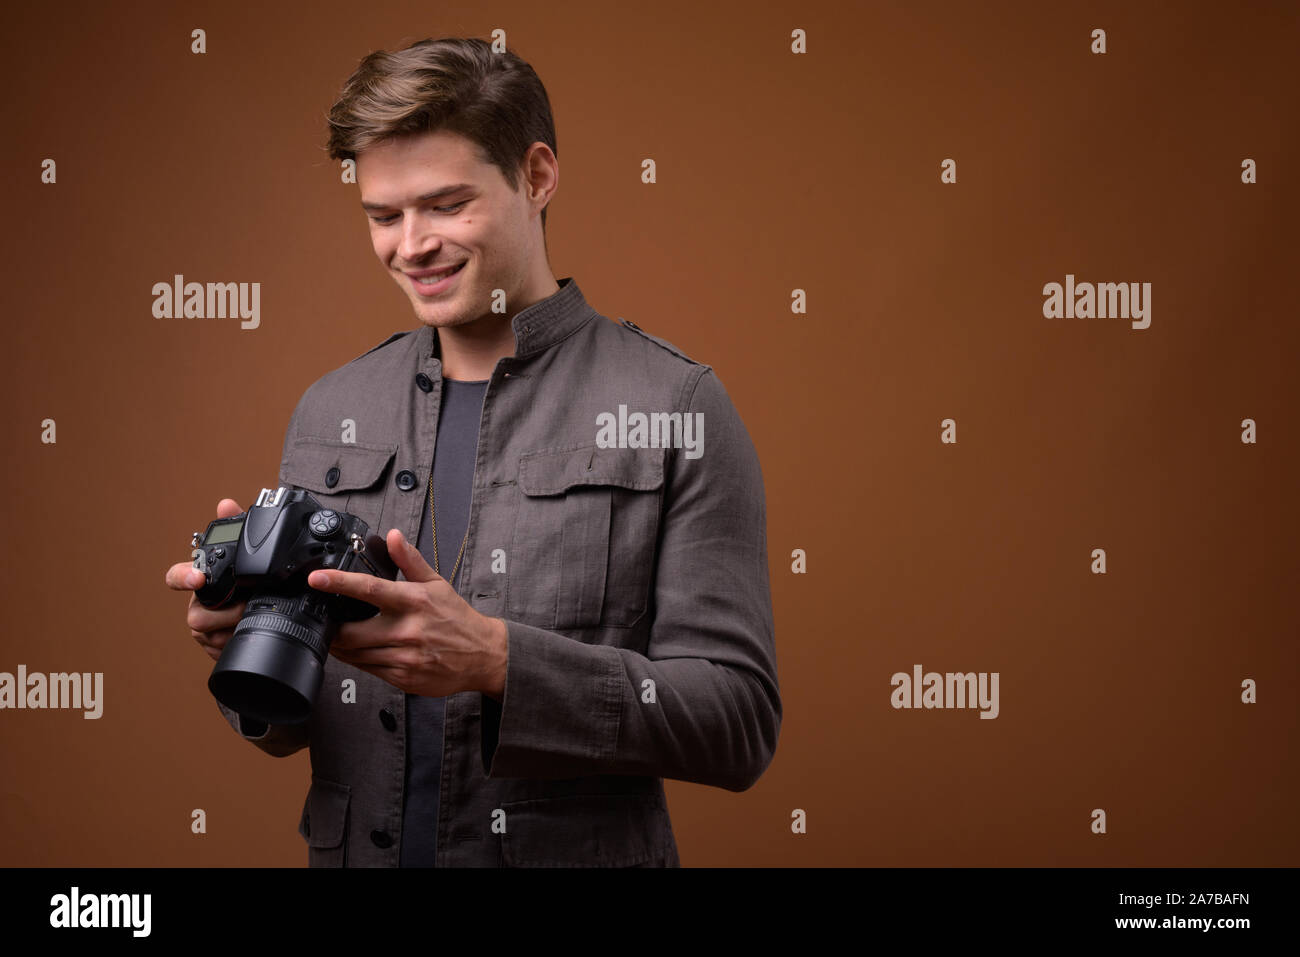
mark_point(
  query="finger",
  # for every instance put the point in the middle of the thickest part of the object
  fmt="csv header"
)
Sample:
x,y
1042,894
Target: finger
x,y
380,592
396,676
200,618
374,632
216,639
371,656
408,558
213,642
202,640
228,508
183,576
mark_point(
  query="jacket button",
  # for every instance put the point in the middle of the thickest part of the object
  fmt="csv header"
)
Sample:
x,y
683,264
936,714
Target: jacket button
x,y
387,720
405,480
424,382
381,839
332,477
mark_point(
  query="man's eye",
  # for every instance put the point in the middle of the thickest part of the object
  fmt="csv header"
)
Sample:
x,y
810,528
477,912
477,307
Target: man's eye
x,y
440,209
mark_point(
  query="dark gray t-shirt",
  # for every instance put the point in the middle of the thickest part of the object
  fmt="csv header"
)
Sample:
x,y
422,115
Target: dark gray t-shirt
x,y
453,481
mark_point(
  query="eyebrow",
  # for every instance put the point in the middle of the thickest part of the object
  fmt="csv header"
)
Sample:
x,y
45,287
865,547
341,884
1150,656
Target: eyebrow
x,y
436,194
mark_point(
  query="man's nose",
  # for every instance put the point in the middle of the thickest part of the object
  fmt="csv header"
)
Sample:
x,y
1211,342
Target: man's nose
x,y
419,240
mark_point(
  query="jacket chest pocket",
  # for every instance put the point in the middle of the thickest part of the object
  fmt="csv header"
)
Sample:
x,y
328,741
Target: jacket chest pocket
x,y
583,551
346,476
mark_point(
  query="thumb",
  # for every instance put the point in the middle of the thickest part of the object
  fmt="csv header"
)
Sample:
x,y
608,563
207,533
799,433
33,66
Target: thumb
x,y
408,558
228,508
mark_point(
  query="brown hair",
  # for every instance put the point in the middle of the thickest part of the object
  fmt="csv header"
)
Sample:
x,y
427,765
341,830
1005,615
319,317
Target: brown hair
x,y
456,84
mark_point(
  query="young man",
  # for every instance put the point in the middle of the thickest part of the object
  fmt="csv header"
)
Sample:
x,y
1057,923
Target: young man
x,y
585,609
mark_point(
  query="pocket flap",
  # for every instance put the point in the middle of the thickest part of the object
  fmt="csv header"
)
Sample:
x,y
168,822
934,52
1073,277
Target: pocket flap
x,y
311,462
553,471
325,814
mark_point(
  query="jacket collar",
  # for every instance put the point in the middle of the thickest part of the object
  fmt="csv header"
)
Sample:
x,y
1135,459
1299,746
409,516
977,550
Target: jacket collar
x,y
539,326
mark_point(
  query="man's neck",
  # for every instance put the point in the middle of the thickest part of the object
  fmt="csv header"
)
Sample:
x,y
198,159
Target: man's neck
x,y
470,352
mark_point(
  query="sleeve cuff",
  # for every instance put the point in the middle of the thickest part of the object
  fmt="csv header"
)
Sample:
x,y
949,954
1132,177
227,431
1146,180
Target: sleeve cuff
x,y
561,710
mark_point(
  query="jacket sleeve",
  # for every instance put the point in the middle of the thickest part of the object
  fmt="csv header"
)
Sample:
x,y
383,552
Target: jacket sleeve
x,y
574,709
279,740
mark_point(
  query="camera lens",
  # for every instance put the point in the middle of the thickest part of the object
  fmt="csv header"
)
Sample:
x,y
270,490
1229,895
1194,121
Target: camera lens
x,y
273,665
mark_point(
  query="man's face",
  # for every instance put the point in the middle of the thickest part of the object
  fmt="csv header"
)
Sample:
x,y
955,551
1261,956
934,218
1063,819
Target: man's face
x,y
433,202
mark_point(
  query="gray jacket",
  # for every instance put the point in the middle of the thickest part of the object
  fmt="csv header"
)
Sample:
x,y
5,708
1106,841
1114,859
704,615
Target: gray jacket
x,y
635,592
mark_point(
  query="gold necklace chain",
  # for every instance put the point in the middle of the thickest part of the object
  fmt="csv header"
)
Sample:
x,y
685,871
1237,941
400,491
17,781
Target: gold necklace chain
x,y
433,525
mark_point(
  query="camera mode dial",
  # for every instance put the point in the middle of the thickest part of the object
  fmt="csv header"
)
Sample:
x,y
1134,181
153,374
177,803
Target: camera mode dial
x,y
325,523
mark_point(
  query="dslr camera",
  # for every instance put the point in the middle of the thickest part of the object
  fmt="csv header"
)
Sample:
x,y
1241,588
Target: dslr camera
x,y
271,668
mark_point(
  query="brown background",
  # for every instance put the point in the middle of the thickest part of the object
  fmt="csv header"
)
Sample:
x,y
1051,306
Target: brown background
x,y
775,172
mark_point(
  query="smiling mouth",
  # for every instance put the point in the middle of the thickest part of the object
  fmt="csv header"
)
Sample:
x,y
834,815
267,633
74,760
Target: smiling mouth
x,y
439,277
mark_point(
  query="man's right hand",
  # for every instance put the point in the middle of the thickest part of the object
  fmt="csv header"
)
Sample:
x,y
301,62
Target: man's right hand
x,y
210,627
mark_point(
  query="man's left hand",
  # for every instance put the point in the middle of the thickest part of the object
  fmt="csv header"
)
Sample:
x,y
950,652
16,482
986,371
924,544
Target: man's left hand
x,y
426,639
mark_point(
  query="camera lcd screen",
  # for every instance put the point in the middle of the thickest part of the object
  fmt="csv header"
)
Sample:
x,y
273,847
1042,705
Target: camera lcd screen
x,y
229,532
